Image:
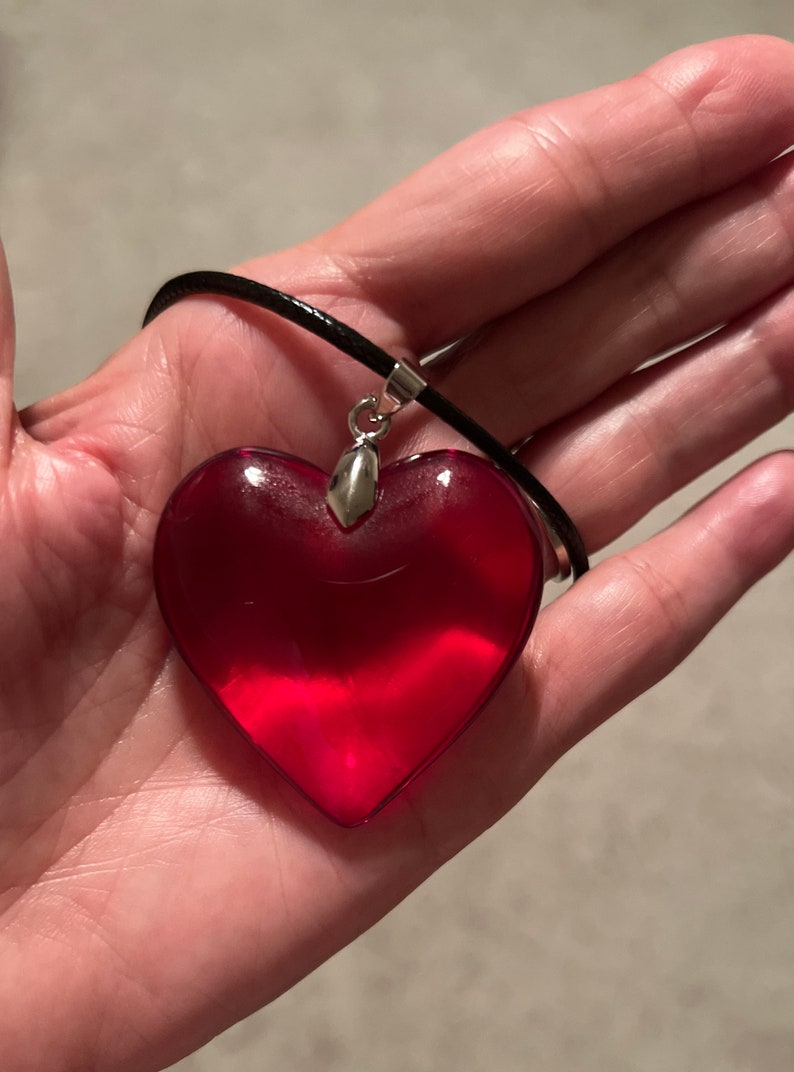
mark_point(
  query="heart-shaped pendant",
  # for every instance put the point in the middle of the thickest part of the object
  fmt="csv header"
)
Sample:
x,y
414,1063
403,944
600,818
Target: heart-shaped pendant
x,y
349,657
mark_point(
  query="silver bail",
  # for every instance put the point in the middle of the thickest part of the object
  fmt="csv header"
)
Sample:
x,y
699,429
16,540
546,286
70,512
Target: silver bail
x,y
354,485
353,488
402,385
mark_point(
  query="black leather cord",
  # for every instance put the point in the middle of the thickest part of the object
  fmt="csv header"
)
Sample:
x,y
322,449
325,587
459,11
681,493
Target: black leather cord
x,y
358,347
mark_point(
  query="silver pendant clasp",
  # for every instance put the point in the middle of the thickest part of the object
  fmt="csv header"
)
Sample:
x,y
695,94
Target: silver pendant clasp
x,y
353,488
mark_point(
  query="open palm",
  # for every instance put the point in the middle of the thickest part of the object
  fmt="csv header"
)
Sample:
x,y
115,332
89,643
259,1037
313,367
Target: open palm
x,y
158,881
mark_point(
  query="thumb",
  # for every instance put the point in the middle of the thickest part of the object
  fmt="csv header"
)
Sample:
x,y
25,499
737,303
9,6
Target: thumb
x,y
8,418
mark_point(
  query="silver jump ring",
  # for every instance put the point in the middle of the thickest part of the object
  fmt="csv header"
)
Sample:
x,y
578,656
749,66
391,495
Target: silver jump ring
x,y
381,420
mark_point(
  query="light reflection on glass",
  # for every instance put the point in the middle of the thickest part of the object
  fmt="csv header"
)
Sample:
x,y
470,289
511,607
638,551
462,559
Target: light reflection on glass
x,y
255,476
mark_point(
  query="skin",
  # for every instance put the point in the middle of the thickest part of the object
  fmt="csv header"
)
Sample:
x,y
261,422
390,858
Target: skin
x,y
576,240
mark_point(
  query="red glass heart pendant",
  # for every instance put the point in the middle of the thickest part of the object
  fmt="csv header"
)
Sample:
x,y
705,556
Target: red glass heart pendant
x,y
350,658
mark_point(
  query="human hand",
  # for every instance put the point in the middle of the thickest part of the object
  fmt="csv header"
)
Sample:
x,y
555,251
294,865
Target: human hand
x,y
159,880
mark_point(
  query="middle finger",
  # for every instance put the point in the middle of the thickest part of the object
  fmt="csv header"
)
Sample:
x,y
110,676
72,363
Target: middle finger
x,y
682,276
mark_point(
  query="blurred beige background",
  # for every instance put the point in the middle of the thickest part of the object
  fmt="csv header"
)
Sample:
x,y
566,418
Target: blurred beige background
x,y
636,912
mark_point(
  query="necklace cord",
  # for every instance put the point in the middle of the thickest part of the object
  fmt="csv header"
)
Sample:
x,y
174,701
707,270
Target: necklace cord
x,y
562,530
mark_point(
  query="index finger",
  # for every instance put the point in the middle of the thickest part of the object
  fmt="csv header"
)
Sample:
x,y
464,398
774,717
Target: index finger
x,y
522,206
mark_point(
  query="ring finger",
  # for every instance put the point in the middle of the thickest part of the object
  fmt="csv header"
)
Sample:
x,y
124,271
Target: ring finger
x,y
665,425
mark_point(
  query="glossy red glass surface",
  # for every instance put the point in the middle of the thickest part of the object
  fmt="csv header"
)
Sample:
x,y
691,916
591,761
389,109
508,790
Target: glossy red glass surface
x,y
349,658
